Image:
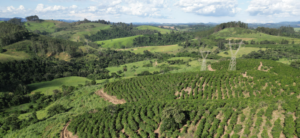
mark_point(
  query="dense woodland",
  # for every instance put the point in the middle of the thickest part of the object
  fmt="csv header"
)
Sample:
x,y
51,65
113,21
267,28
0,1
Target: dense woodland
x,y
11,33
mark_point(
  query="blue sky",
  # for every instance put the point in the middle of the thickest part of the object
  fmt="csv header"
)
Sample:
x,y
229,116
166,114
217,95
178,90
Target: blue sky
x,y
163,11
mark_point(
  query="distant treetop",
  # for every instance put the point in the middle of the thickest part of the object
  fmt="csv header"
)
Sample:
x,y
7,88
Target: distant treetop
x,y
33,18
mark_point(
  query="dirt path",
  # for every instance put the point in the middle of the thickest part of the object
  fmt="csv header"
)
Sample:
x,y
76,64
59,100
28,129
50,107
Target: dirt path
x,y
259,67
67,134
157,130
112,99
209,68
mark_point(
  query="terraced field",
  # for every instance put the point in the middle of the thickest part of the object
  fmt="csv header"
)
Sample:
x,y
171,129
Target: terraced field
x,y
245,103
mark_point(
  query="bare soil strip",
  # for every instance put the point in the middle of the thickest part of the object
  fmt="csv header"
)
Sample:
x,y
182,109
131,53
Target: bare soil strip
x,y
259,67
112,99
67,134
209,68
157,130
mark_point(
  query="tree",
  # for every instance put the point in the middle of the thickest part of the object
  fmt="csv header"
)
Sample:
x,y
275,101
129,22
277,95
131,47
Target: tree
x,y
173,112
56,109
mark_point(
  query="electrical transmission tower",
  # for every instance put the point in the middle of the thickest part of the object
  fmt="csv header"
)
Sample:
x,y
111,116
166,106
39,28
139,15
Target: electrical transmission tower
x,y
232,64
203,66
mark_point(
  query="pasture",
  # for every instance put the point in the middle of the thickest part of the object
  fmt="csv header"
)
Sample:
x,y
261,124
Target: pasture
x,y
11,55
297,29
135,68
118,42
148,27
242,51
170,49
248,35
47,87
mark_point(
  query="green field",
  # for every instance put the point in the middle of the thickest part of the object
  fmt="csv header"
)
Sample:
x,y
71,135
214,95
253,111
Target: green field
x,y
131,72
47,25
118,42
148,27
297,29
48,86
239,33
170,49
77,32
11,55
242,51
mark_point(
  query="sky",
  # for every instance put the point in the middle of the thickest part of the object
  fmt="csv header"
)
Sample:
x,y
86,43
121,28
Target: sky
x,y
160,11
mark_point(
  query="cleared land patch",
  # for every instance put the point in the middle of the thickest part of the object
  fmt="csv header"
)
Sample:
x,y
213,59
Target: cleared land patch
x,y
48,86
112,99
170,49
118,42
148,27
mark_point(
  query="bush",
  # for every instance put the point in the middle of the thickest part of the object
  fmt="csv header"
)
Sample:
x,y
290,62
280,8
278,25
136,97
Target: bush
x,y
56,109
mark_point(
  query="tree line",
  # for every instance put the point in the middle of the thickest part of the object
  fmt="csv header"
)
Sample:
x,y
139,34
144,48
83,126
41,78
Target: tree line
x,y
282,31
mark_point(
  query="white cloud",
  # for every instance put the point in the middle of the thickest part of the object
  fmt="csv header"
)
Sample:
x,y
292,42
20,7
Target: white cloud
x,y
278,8
41,8
92,8
73,6
209,7
12,9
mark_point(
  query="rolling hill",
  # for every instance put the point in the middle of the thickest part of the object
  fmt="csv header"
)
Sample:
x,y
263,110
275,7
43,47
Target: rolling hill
x,y
248,35
148,27
259,99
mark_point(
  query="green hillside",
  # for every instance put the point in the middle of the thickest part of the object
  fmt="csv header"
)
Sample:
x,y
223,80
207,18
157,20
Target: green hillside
x,y
118,43
259,99
77,32
297,29
46,25
248,35
148,27
171,49
48,87
200,104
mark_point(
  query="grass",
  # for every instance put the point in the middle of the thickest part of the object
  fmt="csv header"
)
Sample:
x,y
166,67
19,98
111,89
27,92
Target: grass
x,y
239,33
286,61
47,25
118,42
81,101
161,30
242,51
194,66
78,32
48,86
297,29
170,49
11,55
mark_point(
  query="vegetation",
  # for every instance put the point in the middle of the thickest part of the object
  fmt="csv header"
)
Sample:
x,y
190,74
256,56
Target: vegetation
x,y
156,91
